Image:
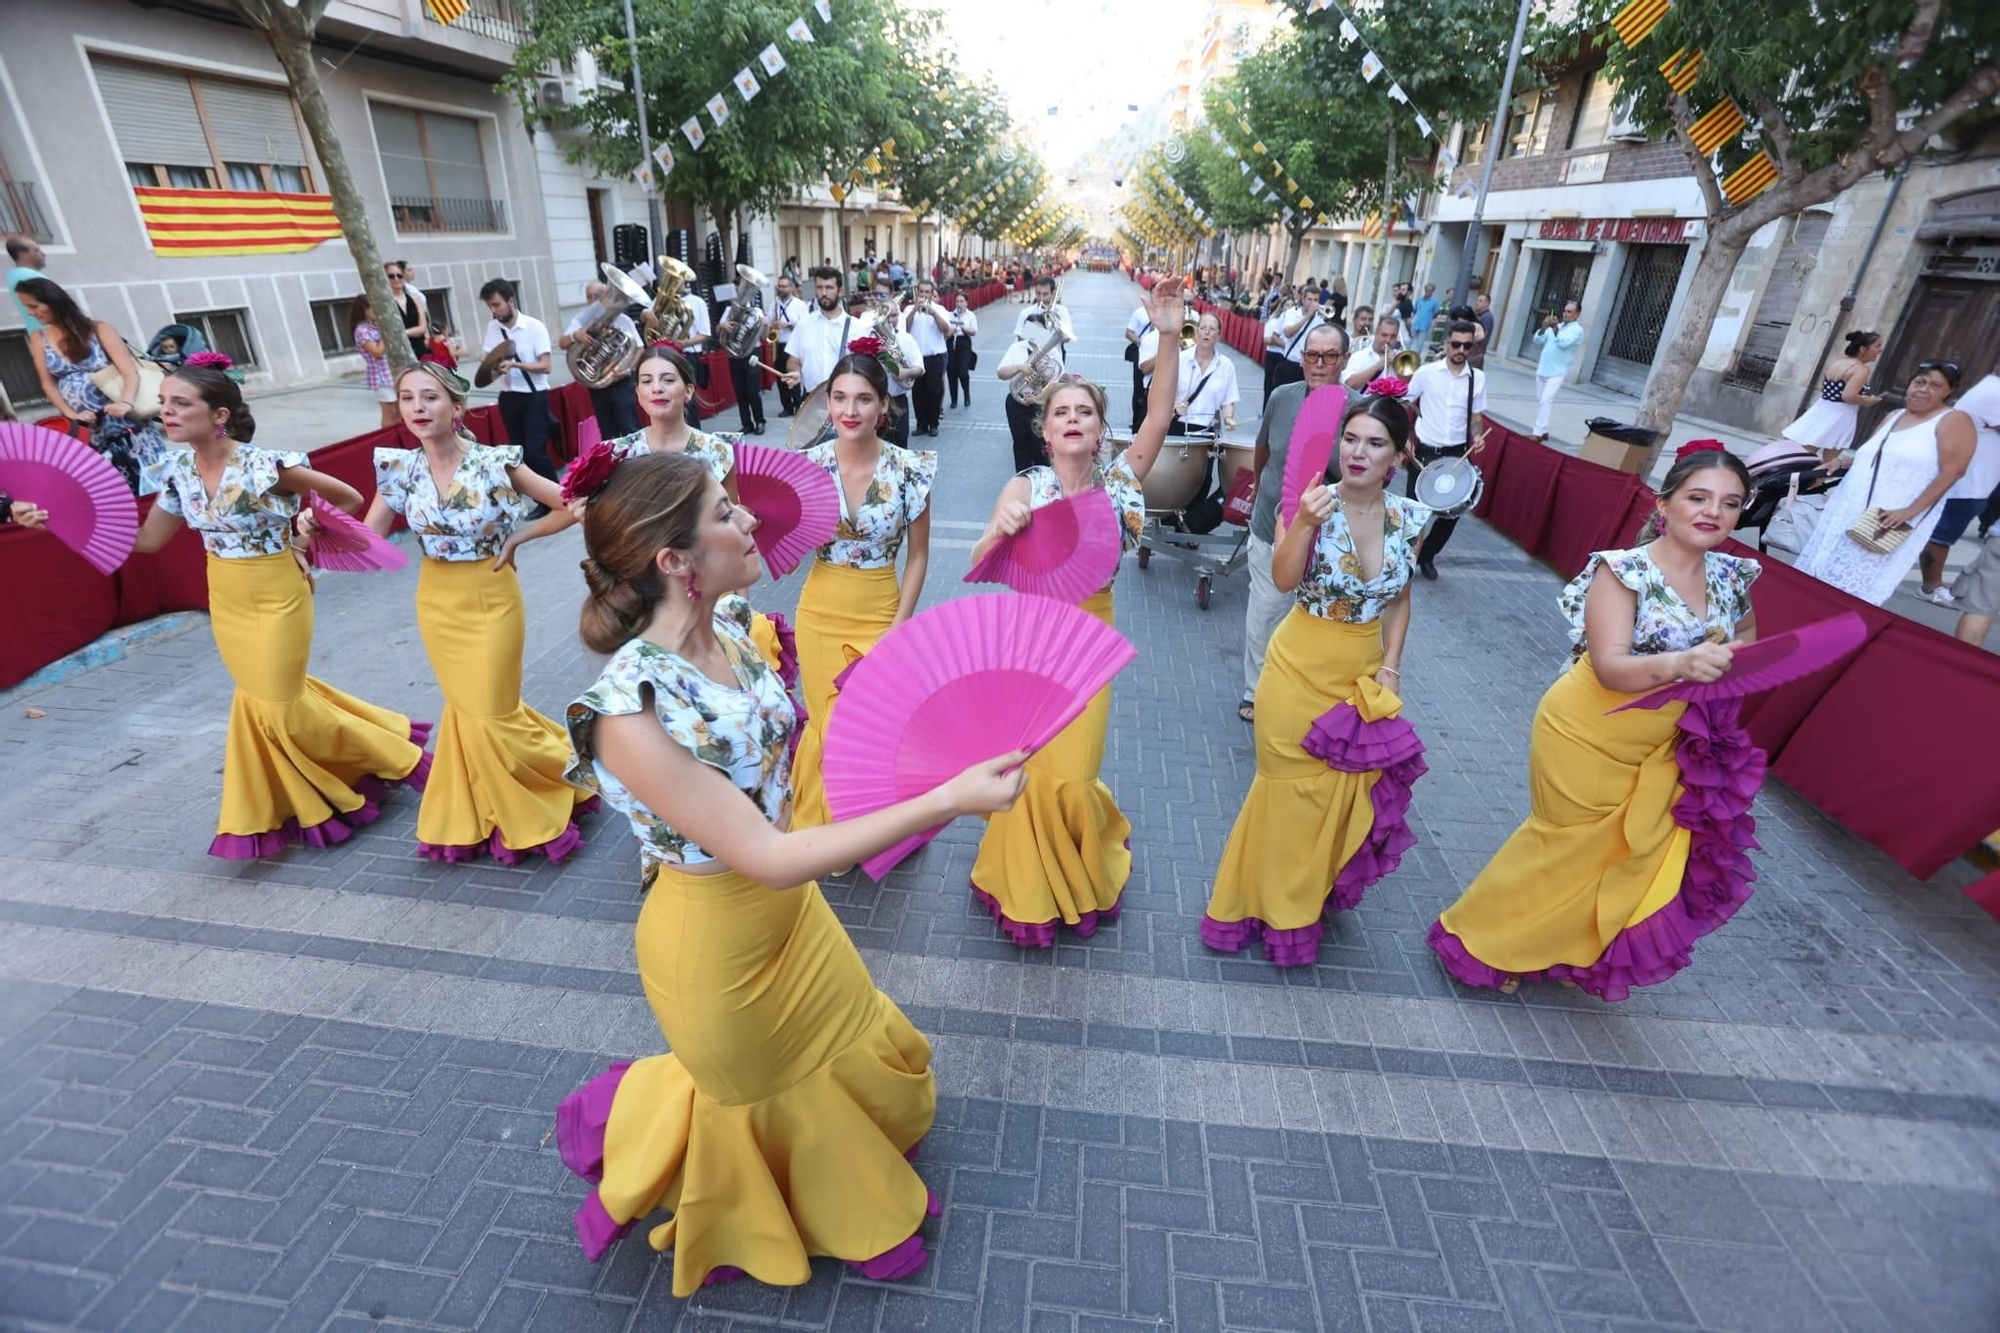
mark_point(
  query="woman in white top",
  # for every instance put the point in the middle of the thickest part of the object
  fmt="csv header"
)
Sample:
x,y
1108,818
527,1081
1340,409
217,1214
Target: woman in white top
x,y
1208,384
959,357
1828,425
1901,476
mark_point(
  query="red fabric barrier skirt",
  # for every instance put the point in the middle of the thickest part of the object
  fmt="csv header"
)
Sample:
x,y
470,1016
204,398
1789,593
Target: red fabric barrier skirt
x,y
1499,442
1588,514
720,393
51,600
1524,494
1900,748
174,578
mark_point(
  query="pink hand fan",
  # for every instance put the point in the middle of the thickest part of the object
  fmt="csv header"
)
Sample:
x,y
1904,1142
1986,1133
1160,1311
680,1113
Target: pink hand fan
x,y
91,509
347,545
1068,552
795,500
1768,663
1314,434
588,433
964,681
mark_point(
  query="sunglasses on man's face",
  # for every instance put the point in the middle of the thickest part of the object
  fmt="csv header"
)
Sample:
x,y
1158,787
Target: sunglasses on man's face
x,y
1457,345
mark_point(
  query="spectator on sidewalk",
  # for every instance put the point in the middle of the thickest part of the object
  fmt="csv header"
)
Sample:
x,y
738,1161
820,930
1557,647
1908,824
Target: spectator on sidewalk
x,y
1482,315
1974,491
1558,341
366,336
68,349
25,261
1423,315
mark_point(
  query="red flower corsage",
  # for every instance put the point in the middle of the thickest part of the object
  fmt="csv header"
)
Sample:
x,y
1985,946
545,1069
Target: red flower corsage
x,y
587,475
866,345
1701,447
213,360
1387,386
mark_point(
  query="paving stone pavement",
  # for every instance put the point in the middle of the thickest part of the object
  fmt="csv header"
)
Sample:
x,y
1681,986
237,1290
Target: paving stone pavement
x,y
317,1092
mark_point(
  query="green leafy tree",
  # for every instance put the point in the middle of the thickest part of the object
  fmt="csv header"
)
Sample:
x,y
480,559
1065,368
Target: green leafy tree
x,y
956,126
1834,97
841,94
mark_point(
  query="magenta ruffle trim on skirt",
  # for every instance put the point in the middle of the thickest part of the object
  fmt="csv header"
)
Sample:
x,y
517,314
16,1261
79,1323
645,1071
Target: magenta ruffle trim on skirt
x,y
1042,934
335,829
1721,771
555,848
581,1119
788,650
1343,740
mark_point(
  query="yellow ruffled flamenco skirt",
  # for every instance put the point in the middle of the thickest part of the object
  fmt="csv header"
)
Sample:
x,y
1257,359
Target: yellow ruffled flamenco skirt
x,y
781,1125
496,783
1064,852
304,763
843,612
1325,816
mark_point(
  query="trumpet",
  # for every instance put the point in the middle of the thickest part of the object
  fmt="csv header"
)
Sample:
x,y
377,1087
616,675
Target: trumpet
x,y
1405,363
1189,328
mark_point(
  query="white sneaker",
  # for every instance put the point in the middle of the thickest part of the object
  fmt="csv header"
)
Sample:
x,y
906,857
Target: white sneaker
x,y
1941,595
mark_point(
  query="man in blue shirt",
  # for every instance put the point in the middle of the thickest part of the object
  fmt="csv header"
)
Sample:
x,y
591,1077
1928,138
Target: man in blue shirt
x,y
1558,342
26,260
1423,311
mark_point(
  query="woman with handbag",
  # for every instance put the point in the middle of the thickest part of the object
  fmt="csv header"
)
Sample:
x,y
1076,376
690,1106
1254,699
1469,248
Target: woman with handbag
x,y
1879,516
93,379
960,359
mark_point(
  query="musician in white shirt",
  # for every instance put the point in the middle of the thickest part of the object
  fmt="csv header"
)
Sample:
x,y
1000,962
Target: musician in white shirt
x,y
927,323
1135,329
958,350
1299,322
1208,384
786,313
819,339
1053,313
1450,398
616,404
524,381
1371,360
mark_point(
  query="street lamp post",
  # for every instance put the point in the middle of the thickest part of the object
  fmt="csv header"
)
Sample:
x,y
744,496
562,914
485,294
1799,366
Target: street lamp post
x,y
1463,289
659,238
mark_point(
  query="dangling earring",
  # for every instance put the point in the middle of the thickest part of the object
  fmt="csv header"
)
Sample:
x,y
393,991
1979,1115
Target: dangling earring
x,y
694,589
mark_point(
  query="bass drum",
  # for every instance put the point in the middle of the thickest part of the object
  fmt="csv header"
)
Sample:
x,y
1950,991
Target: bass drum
x,y
1179,471
1450,486
810,424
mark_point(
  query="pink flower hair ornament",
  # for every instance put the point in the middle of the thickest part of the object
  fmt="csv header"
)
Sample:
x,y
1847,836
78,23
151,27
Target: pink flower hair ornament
x,y
587,475
213,361
1387,386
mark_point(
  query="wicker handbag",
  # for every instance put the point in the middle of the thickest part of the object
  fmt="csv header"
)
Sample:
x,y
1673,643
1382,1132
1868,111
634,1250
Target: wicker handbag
x,y
1869,531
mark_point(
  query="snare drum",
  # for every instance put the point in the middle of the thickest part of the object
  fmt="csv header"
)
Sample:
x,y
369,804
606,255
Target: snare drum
x,y
1450,485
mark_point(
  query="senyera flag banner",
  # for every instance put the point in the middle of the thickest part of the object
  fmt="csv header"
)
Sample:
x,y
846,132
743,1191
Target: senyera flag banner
x,y
235,222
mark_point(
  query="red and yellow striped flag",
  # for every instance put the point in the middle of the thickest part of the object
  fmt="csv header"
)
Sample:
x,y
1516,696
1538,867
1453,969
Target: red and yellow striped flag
x,y
1371,226
1681,68
235,222
1722,123
1750,180
447,11
1637,19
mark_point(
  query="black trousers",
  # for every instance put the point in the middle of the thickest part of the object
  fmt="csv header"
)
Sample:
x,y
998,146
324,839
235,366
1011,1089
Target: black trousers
x,y
927,394
1028,450
1274,372
1441,528
526,417
746,377
617,408
789,395
898,429
958,371
1138,396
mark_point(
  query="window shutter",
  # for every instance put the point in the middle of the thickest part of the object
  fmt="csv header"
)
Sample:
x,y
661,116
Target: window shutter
x,y
457,162
402,151
252,123
152,113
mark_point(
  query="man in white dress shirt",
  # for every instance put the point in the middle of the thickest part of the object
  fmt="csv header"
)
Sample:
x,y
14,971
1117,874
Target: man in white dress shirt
x,y
524,379
1135,329
929,326
1372,359
786,313
1296,324
958,349
820,338
1450,400
1052,311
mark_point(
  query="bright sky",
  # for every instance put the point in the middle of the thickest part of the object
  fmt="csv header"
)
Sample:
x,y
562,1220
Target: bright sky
x,y
1089,59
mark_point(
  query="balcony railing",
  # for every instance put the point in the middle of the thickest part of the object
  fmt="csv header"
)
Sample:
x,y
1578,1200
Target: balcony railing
x,y
418,214
21,212
502,20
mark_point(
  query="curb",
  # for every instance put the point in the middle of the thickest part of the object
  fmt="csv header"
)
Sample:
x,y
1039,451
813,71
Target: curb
x,y
111,647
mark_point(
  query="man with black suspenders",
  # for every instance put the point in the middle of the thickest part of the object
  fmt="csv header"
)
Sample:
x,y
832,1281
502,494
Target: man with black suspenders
x,y
1450,400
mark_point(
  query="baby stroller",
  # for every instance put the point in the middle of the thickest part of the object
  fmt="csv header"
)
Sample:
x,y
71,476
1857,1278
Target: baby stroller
x,y
1778,473
174,344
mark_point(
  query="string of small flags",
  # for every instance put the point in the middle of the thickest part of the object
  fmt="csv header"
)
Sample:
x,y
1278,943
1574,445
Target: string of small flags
x,y
1373,68
1297,202
1716,128
746,83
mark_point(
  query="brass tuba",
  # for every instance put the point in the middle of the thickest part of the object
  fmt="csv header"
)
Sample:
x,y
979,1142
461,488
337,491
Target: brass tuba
x,y
669,319
743,325
609,354
1042,368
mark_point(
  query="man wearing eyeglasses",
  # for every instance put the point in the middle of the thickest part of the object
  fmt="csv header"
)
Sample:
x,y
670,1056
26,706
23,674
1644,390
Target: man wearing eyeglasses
x,y
1450,401
1323,357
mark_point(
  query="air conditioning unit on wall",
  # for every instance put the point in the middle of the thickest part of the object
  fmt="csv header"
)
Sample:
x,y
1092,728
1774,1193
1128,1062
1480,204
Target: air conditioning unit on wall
x,y
1623,128
558,94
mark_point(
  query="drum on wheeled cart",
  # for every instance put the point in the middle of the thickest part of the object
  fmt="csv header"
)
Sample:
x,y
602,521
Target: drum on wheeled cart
x,y
1178,479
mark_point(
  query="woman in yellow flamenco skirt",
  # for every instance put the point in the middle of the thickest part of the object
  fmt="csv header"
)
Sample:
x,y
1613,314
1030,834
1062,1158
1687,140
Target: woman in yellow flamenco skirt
x,y
1326,816
304,763
496,781
1636,844
1063,854
852,596
781,1126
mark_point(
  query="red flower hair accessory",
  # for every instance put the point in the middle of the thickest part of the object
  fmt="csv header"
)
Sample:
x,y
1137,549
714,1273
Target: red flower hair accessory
x,y
1700,447
866,345
587,475
1387,386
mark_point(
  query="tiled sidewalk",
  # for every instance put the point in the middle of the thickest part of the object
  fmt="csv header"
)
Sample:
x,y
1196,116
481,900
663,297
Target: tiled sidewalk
x,y
317,1092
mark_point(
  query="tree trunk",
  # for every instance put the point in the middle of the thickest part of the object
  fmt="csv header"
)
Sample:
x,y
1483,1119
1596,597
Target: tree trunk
x,y
290,33
1676,363
1388,212
1293,248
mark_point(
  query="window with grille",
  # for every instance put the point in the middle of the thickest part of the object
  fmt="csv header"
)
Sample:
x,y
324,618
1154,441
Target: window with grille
x,y
17,372
225,331
1652,273
435,165
196,132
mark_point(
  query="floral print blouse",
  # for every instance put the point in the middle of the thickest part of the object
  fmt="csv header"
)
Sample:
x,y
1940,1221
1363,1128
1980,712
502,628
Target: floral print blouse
x,y
710,449
1665,623
246,519
745,730
1115,477
471,521
1334,587
870,537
